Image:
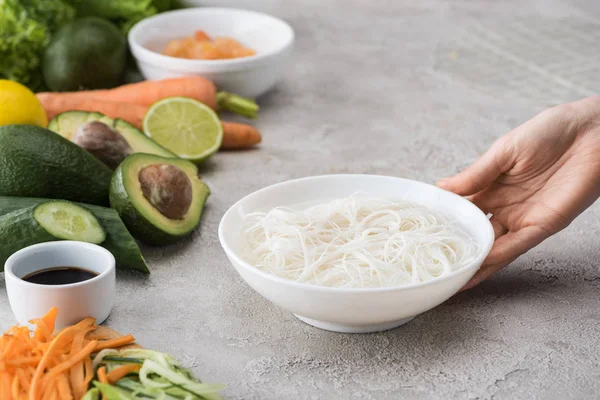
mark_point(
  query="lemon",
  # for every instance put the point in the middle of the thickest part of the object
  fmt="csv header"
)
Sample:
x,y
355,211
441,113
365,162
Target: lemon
x,y
18,105
184,126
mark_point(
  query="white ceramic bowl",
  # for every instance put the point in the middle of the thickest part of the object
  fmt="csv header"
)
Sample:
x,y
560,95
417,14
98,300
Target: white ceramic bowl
x,y
354,310
91,298
271,38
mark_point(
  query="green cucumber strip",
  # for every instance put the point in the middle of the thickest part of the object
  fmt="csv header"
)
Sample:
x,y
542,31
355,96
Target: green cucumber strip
x,y
92,394
65,220
113,392
126,360
118,239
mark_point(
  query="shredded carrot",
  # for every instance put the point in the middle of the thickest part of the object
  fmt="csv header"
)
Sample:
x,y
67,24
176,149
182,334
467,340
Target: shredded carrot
x,y
70,363
102,378
52,366
113,343
64,390
88,375
120,372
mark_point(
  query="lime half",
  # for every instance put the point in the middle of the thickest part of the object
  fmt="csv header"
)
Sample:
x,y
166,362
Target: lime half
x,y
184,126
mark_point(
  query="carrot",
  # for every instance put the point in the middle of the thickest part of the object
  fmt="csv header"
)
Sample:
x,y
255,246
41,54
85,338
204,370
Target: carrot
x,y
64,391
102,378
56,103
120,372
239,136
113,343
88,375
5,385
149,92
45,366
71,362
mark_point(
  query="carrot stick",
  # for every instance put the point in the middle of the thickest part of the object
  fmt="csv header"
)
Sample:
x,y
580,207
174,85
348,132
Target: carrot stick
x,y
64,391
71,362
75,379
50,319
120,372
5,385
239,136
88,375
102,378
113,343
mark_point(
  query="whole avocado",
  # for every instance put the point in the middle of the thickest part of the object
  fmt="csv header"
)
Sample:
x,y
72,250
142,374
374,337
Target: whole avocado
x,y
88,53
36,162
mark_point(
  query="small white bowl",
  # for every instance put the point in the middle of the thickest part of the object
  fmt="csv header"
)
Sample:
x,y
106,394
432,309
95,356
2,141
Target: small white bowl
x,y
91,298
355,310
270,37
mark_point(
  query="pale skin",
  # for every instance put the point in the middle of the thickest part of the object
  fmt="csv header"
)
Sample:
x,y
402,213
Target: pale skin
x,y
535,180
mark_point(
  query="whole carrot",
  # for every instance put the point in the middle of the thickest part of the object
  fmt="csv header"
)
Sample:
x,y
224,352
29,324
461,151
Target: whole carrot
x,y
149,92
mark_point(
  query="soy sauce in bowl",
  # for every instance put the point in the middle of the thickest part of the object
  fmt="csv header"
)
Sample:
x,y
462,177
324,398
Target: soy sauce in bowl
x,y
60,276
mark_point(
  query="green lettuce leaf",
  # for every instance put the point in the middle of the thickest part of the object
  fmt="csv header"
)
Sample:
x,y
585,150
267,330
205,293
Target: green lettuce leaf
x,y
25,30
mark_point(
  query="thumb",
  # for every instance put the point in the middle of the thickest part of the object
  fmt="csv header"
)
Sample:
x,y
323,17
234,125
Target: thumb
x,y
482,173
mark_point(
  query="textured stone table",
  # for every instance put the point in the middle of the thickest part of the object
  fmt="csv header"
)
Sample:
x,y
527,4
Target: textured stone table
x,y
415,89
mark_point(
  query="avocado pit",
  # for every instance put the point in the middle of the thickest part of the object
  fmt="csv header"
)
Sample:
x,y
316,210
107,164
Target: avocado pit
x,y
102,142
167,188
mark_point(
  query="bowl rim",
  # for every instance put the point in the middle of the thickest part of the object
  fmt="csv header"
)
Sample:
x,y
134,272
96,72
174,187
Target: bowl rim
x,y
475,265
141,52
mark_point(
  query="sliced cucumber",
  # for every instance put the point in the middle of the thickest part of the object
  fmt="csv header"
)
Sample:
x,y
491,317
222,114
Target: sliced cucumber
x,y
92,394
118,239
65,220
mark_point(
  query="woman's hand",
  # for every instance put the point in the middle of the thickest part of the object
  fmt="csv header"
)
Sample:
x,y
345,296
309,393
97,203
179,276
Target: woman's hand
x,y
535,180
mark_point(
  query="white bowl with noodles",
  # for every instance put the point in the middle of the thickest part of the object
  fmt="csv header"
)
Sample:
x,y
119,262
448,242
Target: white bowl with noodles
x,y
270,37
355,310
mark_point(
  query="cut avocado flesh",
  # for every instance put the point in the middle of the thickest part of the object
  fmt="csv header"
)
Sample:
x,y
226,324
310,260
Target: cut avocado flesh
x,y
141,210
67,124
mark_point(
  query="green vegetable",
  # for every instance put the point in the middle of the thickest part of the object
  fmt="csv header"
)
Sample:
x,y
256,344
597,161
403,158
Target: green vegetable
x,y
124,13
118,239
47,222
36,162
92,394
113,392
26,27
159,199
68,221
161,377
89,53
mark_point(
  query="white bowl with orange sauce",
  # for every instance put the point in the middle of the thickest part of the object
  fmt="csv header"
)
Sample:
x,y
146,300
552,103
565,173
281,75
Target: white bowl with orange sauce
x,y
271,38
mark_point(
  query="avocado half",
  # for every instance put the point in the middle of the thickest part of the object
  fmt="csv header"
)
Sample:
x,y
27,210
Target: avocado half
x,y
67,123
140,207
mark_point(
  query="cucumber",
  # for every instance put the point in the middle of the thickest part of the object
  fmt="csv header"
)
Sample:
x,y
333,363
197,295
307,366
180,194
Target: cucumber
x,y
118,239
47,222
65,220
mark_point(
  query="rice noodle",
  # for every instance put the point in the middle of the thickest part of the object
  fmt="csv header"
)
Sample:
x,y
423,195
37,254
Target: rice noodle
x,y
358,241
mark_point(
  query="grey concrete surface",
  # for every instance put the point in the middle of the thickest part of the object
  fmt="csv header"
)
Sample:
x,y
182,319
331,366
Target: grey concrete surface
x,y
415,89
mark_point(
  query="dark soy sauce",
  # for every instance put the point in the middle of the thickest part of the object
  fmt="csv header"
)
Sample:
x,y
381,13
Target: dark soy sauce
x,y
60,276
